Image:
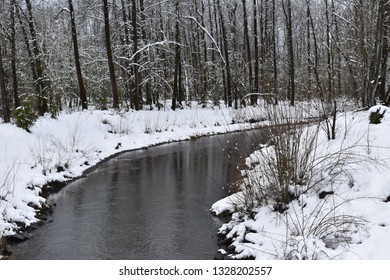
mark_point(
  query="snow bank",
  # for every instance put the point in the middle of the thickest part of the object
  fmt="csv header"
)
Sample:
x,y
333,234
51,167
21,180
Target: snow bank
x,y
352,221
63,148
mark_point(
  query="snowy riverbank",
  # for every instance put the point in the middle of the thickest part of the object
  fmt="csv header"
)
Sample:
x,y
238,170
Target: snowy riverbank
x,y
63,148
343,212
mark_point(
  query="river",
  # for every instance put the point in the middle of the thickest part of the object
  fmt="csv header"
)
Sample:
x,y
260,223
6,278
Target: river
x,y
144,204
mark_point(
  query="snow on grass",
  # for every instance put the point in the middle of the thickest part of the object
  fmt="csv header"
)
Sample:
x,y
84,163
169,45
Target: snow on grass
x,y
63,148
351,221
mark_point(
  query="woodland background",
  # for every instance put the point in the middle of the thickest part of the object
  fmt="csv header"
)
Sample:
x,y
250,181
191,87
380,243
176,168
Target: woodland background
x,y
138,53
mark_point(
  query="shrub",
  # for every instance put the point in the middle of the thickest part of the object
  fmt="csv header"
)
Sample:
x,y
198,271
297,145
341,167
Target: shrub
x,y
24,117
375,117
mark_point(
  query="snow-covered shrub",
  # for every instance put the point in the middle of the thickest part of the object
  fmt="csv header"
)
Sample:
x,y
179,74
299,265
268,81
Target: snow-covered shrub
x,y
281,169
292,203
159,122
24,117
120,122
54,153
376,116
249,114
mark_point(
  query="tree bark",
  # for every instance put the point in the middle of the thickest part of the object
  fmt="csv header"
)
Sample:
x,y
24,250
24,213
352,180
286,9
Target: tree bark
x,y
136,96
248,47
111,68
42,81
290,50
385,52
275,65
13,56
176,79
82,91
227,59
257,54
3,93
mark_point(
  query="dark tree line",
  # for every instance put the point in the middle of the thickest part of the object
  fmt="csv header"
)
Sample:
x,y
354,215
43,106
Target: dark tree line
x,y
139,53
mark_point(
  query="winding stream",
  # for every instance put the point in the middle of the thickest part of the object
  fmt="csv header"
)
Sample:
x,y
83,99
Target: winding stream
x,y
145,204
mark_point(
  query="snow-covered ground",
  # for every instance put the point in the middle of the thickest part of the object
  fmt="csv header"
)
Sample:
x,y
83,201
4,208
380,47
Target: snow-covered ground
x,y
63,148
342,210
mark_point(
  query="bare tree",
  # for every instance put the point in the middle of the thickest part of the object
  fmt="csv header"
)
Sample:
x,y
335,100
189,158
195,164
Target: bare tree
x,y
13,54
3,93
42,80
177,76
257,54
228,94
111,67
290,50
248,46
136,95
82,91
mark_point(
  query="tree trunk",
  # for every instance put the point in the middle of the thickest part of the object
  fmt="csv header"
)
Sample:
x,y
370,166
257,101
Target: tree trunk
x,y
290,50
111,68
309,58
136,101
126,69
378,56
385,52
13,56
257,54
30,55
248,47
330,94
3,93
42,81
82,91
227,59
176,79
275,65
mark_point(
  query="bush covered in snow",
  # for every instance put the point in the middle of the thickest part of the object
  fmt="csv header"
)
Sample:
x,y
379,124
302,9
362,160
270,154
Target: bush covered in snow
x,y
304,196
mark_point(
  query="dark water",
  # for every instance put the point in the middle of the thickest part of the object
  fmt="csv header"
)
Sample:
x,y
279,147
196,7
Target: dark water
x,y
147,204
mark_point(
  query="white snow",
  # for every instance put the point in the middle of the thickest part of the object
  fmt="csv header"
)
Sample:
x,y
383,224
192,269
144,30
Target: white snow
x,y
352,223
63,148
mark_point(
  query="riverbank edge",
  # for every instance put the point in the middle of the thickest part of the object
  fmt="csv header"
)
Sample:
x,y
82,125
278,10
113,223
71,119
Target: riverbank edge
x,y
46,210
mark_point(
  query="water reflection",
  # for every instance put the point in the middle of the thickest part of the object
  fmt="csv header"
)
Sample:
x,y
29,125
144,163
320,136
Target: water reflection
x,y
148,204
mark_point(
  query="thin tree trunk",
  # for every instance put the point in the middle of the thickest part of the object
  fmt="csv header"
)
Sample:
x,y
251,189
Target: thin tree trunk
x,y
290,49
309,59
42,81
275,65
126,70
176,79
227,59
205,75
82,91
13,56
257,57
330,94
136,56
248,46
385,51
3,93
111,68
337,40
376,61
30,55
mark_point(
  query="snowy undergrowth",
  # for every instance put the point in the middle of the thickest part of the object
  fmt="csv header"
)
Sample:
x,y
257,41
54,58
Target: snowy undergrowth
x,y
315,199
63,148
